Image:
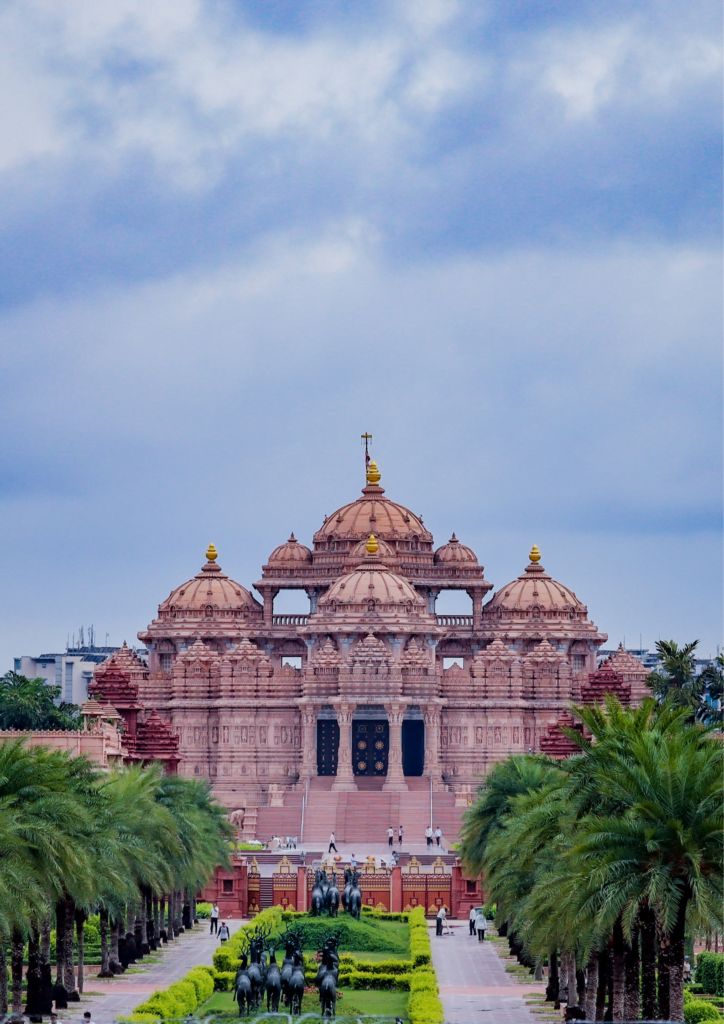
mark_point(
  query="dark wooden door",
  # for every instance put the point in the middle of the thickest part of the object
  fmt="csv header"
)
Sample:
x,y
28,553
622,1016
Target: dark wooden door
x,y
327,746
370,747
413,747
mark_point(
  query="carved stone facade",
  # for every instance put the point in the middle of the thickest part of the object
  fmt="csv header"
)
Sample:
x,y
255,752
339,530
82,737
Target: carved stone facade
x,y
372,649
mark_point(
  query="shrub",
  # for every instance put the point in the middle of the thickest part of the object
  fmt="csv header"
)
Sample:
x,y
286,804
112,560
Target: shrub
x,y
162,1004
423,981
710,972
224,981
91,935
696,1010
350,963
139,1018
184,992
390,982
203,982
203,910
226,958
425,1008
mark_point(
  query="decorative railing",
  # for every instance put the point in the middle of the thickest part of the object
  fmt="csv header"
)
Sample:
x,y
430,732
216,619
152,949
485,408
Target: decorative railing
x,y
455,620
289,620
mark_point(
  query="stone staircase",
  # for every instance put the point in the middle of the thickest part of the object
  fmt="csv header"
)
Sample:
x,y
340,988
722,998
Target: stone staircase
x,y
361,817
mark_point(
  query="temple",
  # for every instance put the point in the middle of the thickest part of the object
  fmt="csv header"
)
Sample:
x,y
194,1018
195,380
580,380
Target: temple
x,y
351,706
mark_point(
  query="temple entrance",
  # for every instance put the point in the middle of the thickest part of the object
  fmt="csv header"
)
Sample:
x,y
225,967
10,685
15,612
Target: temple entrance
x,y
327,746
370,747
413,747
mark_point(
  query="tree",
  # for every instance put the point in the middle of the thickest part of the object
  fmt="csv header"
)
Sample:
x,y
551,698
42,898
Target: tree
x,y
32,705
677,682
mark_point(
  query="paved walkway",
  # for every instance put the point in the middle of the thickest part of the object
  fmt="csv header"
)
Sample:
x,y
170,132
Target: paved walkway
x,y
113,998
474,986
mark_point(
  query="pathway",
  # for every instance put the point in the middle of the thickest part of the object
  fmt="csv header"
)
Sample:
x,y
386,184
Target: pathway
x,y
474,987
109,999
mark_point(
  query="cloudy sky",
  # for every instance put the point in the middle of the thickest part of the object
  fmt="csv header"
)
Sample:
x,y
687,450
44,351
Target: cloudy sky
x,y
236,235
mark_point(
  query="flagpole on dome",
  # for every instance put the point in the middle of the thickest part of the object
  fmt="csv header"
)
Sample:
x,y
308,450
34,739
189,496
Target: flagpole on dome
x,y
367,438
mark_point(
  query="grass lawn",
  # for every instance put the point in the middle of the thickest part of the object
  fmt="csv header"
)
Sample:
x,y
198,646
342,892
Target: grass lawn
x,y
350,1003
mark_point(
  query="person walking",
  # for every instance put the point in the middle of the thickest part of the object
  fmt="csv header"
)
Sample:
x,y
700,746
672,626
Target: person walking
x,y
224,932
353,862
390,836
331,843
481,924
438,835
399,833
473,915
214,916
428,835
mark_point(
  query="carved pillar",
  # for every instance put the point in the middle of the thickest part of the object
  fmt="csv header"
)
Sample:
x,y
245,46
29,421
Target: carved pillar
x,y
345,775
395,780
476,593
309,742
268,594
432,743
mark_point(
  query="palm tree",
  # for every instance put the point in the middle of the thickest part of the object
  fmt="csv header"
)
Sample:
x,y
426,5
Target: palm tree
x,y
32,704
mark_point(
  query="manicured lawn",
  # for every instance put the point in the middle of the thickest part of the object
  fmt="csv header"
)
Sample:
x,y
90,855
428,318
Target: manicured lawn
x,y
350,1002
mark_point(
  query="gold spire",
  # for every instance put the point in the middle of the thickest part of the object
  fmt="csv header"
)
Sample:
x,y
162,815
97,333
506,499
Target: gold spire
x,y
212,554
372,545
373,474
534,554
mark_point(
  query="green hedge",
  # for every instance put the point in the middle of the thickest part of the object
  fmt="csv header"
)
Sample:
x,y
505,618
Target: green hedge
x,y
423,1006
203,911
420,949
710,973
696,1010
228,956
224,981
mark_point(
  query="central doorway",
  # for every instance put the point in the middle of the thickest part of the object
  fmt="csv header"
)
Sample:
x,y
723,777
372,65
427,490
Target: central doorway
x,y
370,746
413,746
327,746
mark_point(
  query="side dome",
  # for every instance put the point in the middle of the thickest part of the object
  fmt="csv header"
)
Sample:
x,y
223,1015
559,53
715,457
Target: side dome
x,y
291,551
454,551
535,593
210,594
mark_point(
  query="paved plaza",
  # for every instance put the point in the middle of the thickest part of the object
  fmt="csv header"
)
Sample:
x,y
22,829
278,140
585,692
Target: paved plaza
x,y
109,999
474,986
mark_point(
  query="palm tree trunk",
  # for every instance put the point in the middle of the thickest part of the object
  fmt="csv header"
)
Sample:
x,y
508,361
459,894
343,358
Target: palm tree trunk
x,y
603,971
105,971
33,977
647,925
162,916
591,987
46,971
17,952
3,976
676,965
69,951
156,926
663,986
553,978
59,941
114,963
632,981
580,987
80,919
619,988
562,981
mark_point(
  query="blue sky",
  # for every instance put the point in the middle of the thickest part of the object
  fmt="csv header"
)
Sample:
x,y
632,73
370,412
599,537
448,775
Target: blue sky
x,y
234,236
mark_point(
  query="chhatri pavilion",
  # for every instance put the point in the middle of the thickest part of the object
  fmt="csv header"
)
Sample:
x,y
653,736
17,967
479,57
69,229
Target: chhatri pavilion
x,y
360,699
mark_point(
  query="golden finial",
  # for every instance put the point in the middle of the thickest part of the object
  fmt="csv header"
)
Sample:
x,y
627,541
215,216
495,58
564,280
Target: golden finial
x,y
212,554
373,473
372,545
534,554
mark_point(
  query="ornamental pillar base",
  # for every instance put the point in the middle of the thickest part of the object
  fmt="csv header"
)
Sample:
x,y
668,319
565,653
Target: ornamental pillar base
x,y
393,784
343,784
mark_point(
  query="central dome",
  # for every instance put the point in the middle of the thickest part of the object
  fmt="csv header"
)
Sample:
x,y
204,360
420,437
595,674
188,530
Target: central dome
x,y
373,513
373,590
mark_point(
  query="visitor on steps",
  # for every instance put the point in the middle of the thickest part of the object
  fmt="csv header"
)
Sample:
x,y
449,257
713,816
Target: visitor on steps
x,y
399,833
481,924
224,932
331,843
390,835
438,835
473,915
214,917
428,835
353,862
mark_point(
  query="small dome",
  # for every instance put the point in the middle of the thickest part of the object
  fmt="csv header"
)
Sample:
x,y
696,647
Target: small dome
x,y
209,592
535,589
371,582
292,551
454,551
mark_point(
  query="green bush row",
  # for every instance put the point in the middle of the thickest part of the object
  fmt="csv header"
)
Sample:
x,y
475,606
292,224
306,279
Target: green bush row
x,y
696,1010
423,1006
179,1000
228,956
203,911
710,973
